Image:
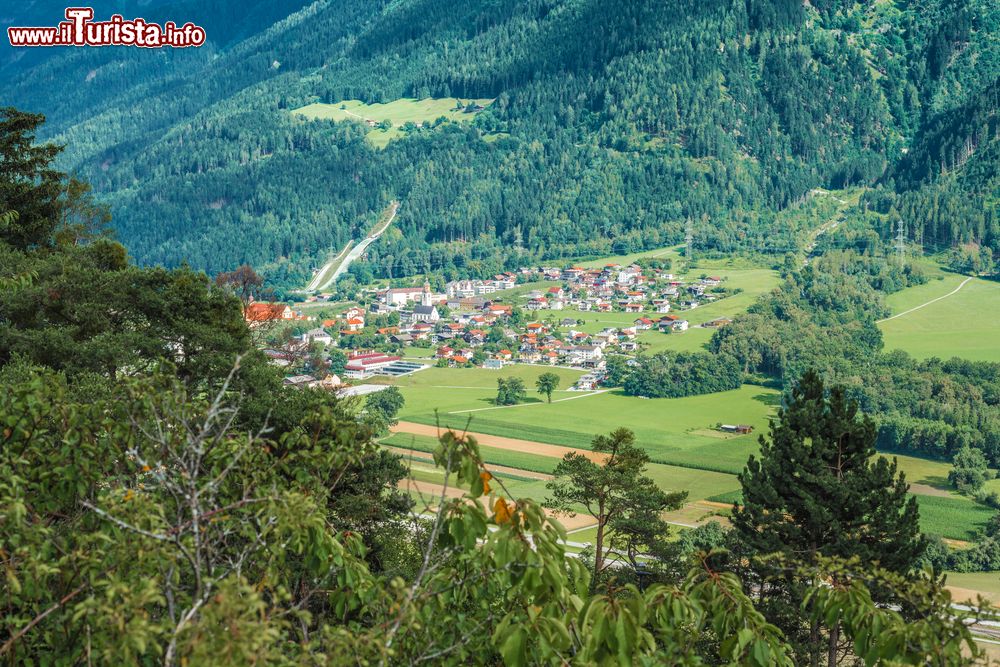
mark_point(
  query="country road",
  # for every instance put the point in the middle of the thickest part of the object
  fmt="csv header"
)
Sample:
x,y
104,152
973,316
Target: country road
x,y
318,282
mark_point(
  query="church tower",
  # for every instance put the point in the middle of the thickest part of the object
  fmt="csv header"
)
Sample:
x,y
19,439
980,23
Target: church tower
x,y
425,298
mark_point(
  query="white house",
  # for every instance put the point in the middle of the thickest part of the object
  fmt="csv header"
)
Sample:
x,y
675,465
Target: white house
x,y
317,336
400,296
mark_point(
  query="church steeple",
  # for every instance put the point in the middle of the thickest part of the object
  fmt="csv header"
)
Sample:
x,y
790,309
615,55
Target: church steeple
x,y
425,298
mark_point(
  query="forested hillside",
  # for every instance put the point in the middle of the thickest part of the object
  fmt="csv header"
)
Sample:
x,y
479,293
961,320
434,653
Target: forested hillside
x,y
613,124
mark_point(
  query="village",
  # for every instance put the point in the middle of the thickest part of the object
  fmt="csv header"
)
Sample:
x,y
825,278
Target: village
x,y
487,323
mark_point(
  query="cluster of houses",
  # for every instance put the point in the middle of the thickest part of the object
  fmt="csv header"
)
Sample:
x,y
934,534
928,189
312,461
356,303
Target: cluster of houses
x,y
468,288
479,328
623,289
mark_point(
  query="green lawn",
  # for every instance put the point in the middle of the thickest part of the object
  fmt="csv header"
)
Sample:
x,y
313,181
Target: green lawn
x,y
674,431
965,324
396,112
923,471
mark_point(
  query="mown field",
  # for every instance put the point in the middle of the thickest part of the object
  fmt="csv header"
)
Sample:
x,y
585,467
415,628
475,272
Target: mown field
x,y
688,455
987,583
699,484
674,431
964,324
397,112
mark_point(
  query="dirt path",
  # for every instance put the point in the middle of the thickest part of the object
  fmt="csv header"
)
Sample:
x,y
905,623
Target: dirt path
x,y
424,456
510,444
928,490
945,296
968,596
431,492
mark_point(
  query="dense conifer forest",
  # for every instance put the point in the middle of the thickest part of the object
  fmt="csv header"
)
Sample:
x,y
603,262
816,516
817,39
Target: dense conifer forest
x,y
613,124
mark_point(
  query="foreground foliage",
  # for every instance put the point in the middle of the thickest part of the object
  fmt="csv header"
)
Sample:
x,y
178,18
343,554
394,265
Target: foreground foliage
x,y
147,527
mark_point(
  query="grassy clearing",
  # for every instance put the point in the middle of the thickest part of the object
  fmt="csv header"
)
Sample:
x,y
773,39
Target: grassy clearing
x,y
964,324
397,112
923,471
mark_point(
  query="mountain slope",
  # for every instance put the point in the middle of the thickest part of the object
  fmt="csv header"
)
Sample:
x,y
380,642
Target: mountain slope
x,y
614,123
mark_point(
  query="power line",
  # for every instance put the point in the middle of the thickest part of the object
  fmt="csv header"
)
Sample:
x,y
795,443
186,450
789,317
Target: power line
x,y
901,242
688,239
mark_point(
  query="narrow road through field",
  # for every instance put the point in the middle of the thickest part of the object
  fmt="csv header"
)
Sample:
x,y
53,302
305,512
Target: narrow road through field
x,y
945,296
510,444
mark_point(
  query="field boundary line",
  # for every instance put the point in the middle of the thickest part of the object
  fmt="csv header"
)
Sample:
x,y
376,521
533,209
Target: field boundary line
x,y
943,296
525,405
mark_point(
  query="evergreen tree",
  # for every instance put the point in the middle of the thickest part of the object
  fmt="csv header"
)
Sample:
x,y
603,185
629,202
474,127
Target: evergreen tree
x,y
818,490
616,492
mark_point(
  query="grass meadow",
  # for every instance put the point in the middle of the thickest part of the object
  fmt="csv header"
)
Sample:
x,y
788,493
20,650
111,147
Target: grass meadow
x,y
675,431
397,112
965,324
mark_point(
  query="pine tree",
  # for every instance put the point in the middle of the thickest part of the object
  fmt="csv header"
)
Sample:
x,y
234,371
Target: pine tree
x,y
616,492
817,490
